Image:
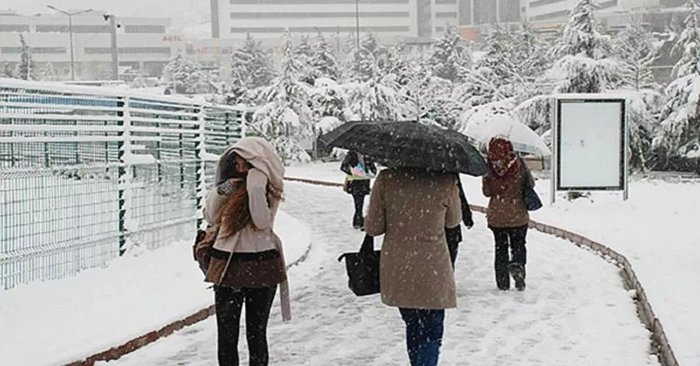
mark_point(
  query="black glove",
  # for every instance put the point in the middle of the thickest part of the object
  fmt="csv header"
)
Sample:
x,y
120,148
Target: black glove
x,y
468,222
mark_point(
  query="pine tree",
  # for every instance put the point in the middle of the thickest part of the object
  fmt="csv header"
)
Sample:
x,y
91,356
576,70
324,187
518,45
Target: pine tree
x,y
450,56
580,34
323,61
25,69
678,135
530,54
7,70
286,118
370,61
493,75
49,72
250,64
184,74
635,48
304,53
583,66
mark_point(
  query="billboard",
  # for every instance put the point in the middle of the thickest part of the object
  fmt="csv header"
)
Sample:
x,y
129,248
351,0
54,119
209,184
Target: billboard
x,y
591,144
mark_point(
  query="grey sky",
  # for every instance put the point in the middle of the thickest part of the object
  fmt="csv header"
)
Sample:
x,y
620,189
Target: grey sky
x,y
183,12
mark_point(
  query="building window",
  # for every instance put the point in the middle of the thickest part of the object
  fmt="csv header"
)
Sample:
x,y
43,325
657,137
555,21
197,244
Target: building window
x,y
128,50
144,29
607,4
378,14
318,29
443,14
465,13
552,15
36,50
445,1
302,2
484,12
537,3
76,28
14,28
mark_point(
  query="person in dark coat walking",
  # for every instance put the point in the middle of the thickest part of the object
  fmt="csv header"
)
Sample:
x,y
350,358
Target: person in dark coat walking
x,y
454,235
507,216
359,170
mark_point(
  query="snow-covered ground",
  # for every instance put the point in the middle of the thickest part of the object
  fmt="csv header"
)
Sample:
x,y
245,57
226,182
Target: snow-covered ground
x,y
574,311
655,229
55,322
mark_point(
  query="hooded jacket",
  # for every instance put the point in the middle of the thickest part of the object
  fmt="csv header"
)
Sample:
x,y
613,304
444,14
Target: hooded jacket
x,y
264,183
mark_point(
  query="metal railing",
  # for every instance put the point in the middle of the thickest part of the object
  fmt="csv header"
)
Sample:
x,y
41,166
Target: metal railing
x,y
88,173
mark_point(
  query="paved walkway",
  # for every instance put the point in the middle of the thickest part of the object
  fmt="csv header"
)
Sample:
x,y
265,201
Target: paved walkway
x,y
574,311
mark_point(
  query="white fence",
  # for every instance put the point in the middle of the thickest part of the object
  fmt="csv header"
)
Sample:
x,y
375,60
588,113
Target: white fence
x,y
88,173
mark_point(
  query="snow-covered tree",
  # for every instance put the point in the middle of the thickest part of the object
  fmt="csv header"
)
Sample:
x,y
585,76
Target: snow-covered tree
x,y
49,73
371,60
530,53
184,74
250,65
323,61
678,135
634,46
285,118
492,76
304,54
25,68
7,70
583,66
376,99
450,56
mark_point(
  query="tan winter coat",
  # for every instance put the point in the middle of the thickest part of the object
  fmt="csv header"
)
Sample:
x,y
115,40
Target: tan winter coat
x,y
412,209
507,209
267,174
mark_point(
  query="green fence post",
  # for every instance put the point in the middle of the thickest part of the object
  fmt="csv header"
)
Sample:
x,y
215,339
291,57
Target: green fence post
x,y
200,151
124,173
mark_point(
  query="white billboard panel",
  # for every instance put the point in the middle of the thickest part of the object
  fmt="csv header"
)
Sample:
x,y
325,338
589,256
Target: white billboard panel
x,y
590,144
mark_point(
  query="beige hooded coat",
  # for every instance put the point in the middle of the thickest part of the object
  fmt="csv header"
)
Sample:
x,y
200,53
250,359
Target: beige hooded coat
x,y
264,183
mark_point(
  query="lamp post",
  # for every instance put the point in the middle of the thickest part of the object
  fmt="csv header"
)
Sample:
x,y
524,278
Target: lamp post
x,y
70,30
357,25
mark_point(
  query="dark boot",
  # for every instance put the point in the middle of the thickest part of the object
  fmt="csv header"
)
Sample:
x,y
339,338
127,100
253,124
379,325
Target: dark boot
x,y
517,270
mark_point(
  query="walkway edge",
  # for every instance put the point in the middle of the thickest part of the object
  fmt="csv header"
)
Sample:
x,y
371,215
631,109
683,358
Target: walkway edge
x,y
660,342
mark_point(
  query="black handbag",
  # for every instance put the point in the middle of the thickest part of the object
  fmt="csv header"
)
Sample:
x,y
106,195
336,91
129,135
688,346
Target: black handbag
x,y
530,198
363,268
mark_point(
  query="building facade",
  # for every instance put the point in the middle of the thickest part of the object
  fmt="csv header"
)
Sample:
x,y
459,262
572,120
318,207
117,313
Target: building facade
x,y
390,20
144,45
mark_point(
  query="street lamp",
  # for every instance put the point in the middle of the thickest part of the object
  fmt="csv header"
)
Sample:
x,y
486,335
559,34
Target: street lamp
x,y
70,30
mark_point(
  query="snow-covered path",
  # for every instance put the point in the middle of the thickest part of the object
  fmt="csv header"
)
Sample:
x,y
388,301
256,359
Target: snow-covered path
x,y
574,311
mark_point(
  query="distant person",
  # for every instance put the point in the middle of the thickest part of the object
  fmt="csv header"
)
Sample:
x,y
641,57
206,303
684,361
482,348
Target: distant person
x,y
454,235
412,208
247,259
507,216
359,170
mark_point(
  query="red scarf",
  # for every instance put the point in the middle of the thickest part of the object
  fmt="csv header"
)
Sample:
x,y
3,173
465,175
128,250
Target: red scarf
x,y
503,163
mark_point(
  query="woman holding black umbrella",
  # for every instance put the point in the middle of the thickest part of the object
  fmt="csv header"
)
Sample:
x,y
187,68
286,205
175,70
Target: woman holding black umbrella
x,y
412,207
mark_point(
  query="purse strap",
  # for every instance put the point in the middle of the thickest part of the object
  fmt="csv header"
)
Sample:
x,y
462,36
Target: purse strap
x,y
367,245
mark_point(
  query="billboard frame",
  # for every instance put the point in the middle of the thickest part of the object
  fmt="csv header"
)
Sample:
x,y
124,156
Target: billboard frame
x,y
557,102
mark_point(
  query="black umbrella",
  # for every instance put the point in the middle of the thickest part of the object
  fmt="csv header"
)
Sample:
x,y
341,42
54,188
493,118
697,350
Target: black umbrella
x,y
409,144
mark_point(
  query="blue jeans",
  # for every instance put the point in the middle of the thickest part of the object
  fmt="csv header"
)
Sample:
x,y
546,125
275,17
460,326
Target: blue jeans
x,y
424,329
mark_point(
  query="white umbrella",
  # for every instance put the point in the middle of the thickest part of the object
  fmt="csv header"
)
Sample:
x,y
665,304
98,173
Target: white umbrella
x,y
522,137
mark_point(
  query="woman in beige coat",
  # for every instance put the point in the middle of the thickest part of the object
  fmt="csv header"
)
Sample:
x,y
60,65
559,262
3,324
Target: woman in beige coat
x,y
247,257
412,208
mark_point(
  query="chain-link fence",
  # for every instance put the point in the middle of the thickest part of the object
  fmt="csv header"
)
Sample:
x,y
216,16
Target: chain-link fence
x,y
86,174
